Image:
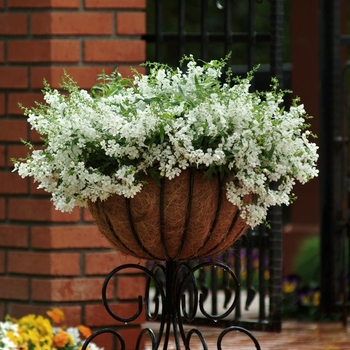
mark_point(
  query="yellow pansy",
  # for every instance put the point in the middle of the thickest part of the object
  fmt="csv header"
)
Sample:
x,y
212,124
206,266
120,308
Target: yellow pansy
x,y
316,297
11,335
35,332
289,287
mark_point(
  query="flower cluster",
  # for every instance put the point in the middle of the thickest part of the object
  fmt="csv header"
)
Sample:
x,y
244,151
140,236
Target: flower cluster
x,y
33,332
300,301
105,142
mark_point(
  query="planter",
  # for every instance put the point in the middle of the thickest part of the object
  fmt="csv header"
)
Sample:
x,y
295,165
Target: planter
x,y
185,218
100,143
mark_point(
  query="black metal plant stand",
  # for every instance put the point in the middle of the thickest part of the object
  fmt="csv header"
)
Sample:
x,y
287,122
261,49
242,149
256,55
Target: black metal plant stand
x,y
171,283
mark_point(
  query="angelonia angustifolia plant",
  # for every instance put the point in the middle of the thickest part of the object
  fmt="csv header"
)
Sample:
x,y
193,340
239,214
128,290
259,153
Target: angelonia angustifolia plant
x,y
105,141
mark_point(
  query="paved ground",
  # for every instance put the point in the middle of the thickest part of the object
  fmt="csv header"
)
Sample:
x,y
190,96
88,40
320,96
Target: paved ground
x,y
294,336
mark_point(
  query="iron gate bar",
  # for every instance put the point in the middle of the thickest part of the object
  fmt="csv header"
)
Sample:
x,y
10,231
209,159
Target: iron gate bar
x,y
194,37
262,239
249,256
331,177
345,239
214,286
181,39
251,34
159,32
345,40
275,213
238,268
204,30
326,176
227,25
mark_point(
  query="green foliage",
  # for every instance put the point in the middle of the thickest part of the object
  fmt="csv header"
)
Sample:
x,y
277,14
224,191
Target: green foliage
x,y
109,85
307,262
301,292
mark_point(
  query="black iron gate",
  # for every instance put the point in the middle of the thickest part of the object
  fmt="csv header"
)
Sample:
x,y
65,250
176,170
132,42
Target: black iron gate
x,y
253,31
334,150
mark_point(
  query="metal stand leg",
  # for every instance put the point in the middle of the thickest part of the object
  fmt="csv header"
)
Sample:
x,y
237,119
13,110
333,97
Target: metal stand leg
x,y
170,299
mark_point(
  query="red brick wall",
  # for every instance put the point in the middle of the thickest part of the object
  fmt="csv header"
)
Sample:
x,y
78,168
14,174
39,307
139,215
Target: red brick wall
x,y
48,258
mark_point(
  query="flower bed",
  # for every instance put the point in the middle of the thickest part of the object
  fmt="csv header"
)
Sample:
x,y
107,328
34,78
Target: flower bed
x,y
33,332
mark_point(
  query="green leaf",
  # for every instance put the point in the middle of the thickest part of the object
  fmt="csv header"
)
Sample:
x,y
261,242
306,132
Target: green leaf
x,y
155,175
210,172
196,81
181,91
162,133
270,152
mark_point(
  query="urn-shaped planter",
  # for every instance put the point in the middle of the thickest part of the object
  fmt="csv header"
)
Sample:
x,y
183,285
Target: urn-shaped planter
x,y
185,218
178,125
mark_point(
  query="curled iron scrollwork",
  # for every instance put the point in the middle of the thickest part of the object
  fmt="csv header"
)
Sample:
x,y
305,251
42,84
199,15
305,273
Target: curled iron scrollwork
x,y
176,298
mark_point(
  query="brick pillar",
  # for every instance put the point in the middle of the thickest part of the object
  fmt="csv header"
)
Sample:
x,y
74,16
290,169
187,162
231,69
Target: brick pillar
x,y
49,258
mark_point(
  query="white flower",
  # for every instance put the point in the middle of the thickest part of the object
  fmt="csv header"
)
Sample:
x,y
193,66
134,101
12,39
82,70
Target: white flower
x,y
74,332
5,327
105,142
